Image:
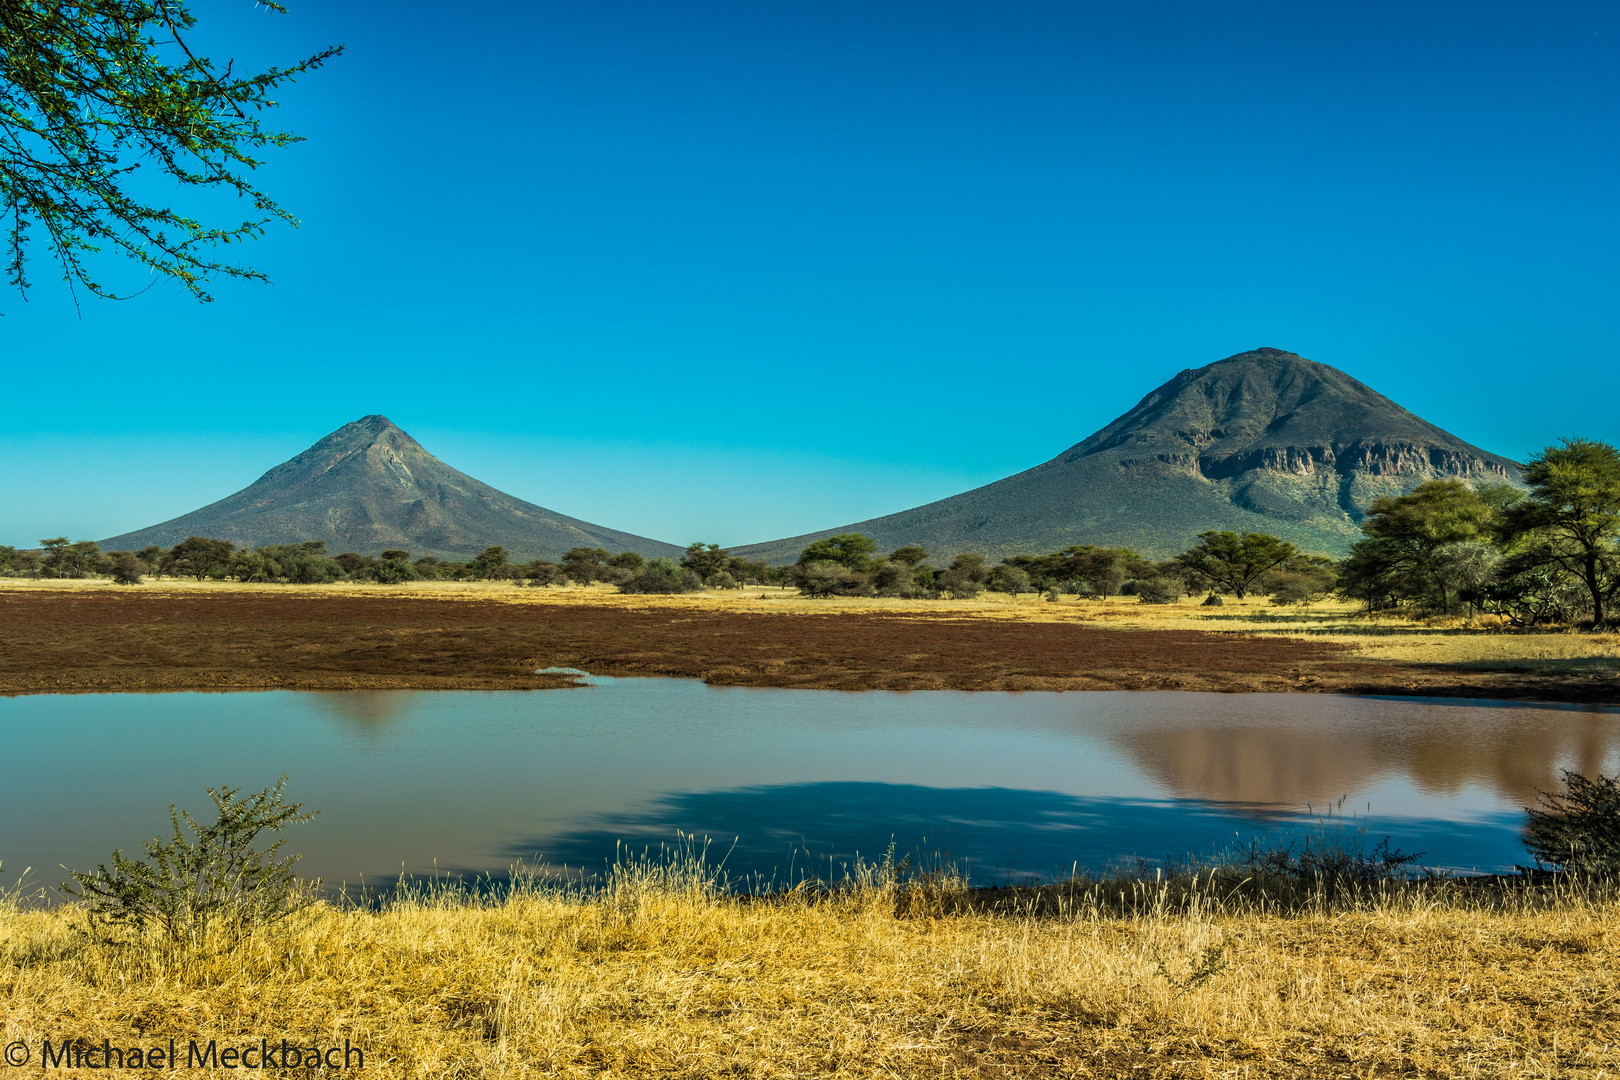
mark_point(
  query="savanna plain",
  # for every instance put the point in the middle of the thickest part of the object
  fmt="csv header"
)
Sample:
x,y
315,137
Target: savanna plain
x,y
661,970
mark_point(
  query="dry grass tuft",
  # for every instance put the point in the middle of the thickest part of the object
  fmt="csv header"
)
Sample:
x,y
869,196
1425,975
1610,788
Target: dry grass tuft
x,y
660,972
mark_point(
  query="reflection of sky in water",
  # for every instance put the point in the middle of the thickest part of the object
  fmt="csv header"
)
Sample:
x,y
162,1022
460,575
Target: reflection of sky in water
x,y
1013,782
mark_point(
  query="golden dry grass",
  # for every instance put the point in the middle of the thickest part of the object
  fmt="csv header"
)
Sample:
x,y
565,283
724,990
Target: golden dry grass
x,y
661,975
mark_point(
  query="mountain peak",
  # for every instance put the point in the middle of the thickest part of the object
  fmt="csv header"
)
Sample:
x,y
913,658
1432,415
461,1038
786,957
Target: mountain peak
x,y
1261,441
369,486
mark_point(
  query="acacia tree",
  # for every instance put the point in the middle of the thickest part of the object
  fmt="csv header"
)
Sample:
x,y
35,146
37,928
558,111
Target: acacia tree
x,y
1412,546
1574,508
93,90
1236,561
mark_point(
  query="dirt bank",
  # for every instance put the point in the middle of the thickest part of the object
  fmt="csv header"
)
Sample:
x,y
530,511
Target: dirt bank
x,y
86,640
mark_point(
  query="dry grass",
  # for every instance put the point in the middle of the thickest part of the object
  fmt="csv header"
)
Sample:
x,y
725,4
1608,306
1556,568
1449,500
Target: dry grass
x,y
661,974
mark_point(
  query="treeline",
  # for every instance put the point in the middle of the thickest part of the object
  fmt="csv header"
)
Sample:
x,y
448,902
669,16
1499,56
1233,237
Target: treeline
x,y
1223,562
203,558
1543,554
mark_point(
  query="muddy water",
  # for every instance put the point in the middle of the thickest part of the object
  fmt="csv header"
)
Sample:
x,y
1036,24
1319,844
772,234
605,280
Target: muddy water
x,y
784,782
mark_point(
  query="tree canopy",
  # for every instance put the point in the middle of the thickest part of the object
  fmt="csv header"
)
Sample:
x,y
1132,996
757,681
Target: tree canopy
x,y
1236,561
1574,508
93,90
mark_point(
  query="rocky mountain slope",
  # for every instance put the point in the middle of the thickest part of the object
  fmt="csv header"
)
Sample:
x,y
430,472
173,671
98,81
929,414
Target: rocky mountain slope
x,y
369,486
1264,441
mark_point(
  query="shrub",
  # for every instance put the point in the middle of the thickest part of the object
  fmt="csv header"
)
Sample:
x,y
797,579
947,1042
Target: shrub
x,y
1159,590
1077,586
1009,579
1578,828
722,580
126,568
1213,600
662,576
214,879
821,578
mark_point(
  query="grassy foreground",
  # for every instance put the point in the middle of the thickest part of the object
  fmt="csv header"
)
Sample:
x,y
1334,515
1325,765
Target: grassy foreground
x,y
660,973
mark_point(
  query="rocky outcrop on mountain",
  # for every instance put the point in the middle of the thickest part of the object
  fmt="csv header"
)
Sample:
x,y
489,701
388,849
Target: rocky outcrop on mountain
x,y
367,487
1264,441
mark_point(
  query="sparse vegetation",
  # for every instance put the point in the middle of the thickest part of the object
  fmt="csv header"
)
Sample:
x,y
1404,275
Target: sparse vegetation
x,y
660,970
209,888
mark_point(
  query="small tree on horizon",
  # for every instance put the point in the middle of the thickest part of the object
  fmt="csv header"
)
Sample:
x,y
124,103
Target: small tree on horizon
x,y
1236,561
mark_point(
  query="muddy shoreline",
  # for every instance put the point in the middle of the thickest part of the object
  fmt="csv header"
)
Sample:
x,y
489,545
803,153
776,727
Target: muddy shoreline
x,y
96,641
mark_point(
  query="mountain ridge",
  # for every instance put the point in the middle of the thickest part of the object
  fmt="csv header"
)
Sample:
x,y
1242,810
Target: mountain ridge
x,y
369,486
1263,441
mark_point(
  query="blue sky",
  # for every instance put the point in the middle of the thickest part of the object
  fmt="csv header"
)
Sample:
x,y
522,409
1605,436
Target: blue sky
x,y
736,271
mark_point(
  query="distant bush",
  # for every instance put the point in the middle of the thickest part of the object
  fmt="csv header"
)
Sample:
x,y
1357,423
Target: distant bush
x,y
1213,600
1008,579
1578,828
662,576
722,580
1158,590
822,578
1077,587
126,568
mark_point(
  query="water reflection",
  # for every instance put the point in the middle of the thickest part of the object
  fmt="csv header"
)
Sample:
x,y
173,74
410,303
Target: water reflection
x,y
1512,753
368,713
1009,782
792,831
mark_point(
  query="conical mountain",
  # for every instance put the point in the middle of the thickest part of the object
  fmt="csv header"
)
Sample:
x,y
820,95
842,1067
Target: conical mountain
x,y
1264,441
368,487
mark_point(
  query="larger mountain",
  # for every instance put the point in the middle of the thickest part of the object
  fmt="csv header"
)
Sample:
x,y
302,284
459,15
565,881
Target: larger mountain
x,y
368,487
1264,441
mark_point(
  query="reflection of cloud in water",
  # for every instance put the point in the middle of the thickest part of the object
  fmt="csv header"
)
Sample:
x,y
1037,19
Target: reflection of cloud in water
x,y
364,712
786,832
1292,764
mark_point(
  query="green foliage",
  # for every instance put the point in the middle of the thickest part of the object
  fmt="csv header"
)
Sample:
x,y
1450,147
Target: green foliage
x,y
1008,579
827,578
491,564
197,556
8,556
627,560
1163,589
853,551
1411,551
1578,828
541,572
661,575
212,880
77,560
1573,511
395,568
126,568
705,560
86,87
1235,562
583,564
966,577
911,555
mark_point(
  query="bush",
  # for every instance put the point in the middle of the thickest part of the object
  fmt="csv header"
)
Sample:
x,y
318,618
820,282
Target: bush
x,y
1159,590
722,580
211,880
1009,579
1213,600
662,576
1579,828
126,568
1077,586
821,578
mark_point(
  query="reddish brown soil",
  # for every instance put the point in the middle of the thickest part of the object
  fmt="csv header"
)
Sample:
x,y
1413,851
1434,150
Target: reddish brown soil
x,y
66,642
